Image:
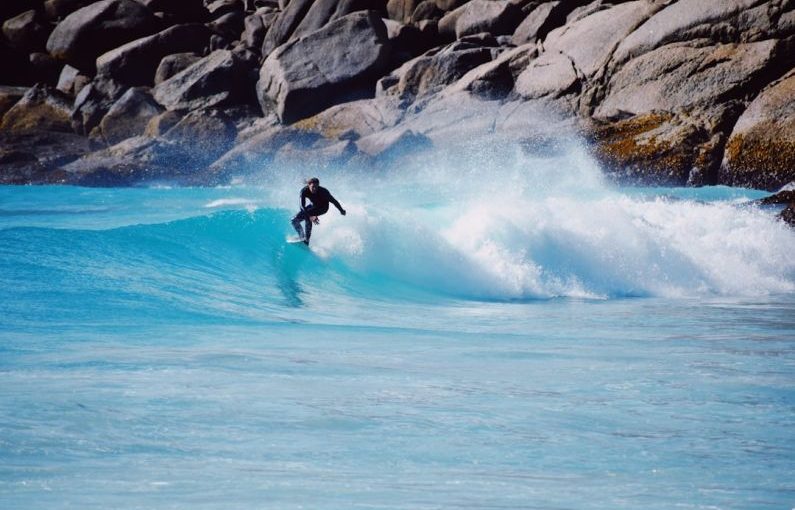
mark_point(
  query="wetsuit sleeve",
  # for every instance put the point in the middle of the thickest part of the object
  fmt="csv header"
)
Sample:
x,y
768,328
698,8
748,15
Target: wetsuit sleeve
x,y
336,204
302,200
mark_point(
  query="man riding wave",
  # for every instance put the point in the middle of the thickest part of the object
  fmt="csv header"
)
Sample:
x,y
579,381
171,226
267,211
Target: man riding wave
x,y
320,198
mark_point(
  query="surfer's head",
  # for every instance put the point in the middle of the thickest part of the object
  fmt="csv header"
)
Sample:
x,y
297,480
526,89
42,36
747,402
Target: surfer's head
x,y
313,183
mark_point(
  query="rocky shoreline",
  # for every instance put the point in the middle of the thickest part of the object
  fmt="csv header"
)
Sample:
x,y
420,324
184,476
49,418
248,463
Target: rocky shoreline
x,y
127,92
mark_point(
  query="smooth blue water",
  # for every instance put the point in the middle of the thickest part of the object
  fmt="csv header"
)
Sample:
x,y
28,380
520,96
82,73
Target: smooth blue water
x,y
459,340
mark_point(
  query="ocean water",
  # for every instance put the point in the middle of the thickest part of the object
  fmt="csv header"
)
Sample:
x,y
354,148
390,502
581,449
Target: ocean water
x,y
490,333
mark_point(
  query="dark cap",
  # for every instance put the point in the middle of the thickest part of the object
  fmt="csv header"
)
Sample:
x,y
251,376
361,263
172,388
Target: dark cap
x,y
313,179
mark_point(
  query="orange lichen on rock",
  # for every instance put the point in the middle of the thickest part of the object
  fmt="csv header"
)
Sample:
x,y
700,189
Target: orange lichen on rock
x,y
759,160
652,147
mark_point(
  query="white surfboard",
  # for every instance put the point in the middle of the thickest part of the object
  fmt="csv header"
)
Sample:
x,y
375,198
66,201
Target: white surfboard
x,y
294,240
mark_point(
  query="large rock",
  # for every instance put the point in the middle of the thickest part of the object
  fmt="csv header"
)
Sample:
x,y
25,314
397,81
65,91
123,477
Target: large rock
x,y
93,102
179,11
255,28
223,7
540,127
785,26
136,62
659,148
34,157
59,9
760,152
70,81
681,75
180,156
590,42
446,25
401,10
127,164
27,31
497,17
537,24
461,125
218,79
788,214
229,26
129,116
426,10
497,78
9,96
687,20
552,74
340,62
451,120
355,119
323,11
257,151
160,124
284,25
174,64
389,145
436,69
449,5
97,28
316,157
586,10
40,109
781,198
203,135
11,8
408,41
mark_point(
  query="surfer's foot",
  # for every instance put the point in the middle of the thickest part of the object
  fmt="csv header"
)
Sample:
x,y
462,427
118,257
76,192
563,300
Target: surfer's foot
x,y
305,241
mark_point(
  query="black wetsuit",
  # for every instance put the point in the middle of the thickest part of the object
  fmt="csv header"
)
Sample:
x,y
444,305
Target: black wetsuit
x,y
320,200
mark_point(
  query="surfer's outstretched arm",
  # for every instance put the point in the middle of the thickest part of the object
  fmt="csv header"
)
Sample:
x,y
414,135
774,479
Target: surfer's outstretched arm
x,y
336,204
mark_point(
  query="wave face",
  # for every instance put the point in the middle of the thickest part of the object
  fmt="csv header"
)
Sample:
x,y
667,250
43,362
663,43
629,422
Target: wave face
x,y
532,227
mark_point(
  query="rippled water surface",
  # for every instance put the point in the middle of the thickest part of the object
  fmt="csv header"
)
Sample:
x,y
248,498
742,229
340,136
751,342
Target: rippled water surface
x,y
455,341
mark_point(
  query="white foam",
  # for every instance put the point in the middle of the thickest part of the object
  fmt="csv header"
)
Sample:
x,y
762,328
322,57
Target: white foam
x,y
543,227
247,203
502,218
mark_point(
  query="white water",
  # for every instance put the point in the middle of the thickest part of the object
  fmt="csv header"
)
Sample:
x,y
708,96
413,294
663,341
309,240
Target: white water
x,y
535,227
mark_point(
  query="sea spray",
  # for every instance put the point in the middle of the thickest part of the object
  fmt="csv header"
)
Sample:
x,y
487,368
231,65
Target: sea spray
x,y
509,225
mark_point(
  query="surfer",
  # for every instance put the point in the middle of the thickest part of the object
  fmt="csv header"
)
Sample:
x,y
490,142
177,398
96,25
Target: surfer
x,y
320,199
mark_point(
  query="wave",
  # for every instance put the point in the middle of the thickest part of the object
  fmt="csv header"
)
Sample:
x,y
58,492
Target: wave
x,y
496,223
529,228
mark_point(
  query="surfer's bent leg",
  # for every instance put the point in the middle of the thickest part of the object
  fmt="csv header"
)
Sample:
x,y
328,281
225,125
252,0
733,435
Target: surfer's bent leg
x,y
308,227
297,219
307,213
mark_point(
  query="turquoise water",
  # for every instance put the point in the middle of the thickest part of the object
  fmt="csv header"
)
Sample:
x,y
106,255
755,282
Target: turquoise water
x,y
526,337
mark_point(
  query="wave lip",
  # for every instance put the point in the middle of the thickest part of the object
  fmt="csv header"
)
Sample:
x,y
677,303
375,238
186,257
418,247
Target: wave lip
x,y
249,204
